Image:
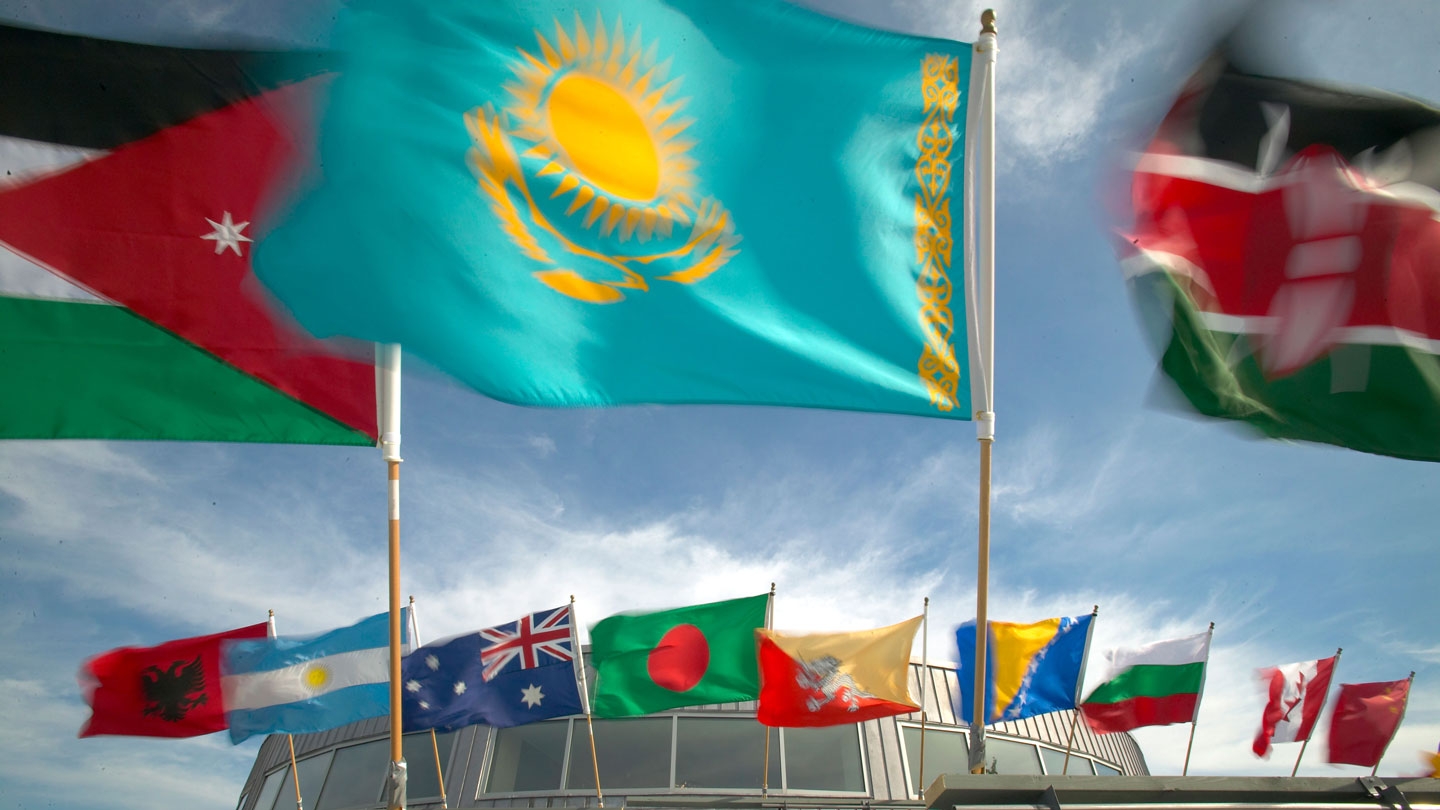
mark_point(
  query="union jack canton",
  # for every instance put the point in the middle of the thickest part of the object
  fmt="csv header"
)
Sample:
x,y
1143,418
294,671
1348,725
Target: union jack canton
x,y
537,640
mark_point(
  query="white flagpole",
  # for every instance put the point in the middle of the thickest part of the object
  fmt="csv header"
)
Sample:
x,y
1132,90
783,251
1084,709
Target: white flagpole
x,y
983,345
434,740
765,770
585,698
289,738
388,379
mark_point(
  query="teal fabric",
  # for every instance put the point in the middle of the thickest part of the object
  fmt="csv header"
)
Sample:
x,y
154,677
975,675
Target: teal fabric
x,y
788,178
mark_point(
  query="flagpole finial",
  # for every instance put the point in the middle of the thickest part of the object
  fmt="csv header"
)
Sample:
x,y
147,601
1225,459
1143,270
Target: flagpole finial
x,y
572,598
987,21
772,589
1212,627
1339,650
1095,611
927,601
412,599
272,613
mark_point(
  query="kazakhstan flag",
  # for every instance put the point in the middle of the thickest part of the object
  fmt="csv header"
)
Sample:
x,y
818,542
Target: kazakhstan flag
x,y
599,202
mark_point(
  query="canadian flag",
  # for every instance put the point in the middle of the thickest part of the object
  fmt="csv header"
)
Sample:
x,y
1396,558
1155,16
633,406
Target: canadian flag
x,y
1296,695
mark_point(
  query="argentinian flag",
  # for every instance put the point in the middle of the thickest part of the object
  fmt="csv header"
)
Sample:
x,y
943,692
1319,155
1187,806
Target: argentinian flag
x,y
299,685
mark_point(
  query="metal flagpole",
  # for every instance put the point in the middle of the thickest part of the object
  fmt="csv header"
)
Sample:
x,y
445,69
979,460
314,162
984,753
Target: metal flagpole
x,y
1306,742
1194,719
983,351
1079,684
765,772
924,681
1409,683
585,698
389,372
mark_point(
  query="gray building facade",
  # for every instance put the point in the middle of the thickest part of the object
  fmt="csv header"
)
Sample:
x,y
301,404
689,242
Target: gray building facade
x,y
715,751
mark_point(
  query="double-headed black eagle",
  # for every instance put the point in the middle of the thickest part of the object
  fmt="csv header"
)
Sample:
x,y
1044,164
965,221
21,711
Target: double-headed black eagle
x,y
172,693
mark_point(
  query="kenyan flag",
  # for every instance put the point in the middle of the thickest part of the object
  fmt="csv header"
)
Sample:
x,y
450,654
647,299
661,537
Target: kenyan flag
x,y
1289,236
649,662
131,179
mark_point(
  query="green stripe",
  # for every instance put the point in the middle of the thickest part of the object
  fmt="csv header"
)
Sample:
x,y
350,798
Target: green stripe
x,y
1387,399
1152,681
91,371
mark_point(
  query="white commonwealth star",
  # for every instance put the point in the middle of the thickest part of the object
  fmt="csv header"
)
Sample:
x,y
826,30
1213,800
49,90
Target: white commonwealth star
x,y
424,704
227,234
432,662
412,686
531,697
459,687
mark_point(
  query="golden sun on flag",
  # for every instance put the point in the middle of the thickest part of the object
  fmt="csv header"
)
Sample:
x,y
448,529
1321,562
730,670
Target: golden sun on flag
x,y
594,124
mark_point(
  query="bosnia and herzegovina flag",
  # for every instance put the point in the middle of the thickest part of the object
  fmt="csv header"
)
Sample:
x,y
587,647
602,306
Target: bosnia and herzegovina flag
x,y
1030,669
131,177
1286,238
586,203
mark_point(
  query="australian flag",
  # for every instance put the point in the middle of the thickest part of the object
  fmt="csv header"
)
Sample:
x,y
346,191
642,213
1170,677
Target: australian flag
x,y
502,676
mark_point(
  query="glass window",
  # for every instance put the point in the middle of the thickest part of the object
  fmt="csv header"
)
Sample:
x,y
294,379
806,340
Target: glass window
x,y
1105,770
1055,763
632,754
945,752
724,752
421,780
1008,756
271,789
528,758
824,759
312,779
357,776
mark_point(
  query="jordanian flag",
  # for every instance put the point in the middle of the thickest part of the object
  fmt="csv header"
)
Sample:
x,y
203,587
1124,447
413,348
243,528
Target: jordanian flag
x,y
1289,235
650,662
1155,685
131,179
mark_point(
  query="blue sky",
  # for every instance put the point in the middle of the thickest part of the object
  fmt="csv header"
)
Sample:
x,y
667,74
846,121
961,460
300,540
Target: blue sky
x,y
1104,494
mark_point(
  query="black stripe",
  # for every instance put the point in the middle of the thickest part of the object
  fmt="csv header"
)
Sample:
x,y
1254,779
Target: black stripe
x,y
1231,121
99,93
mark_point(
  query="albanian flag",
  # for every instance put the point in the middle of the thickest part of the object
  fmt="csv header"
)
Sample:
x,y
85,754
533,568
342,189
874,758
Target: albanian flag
x,y
131,179
1288,233
172,690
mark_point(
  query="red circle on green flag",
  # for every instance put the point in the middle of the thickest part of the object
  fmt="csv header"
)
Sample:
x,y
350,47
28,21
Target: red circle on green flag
x,y
679,661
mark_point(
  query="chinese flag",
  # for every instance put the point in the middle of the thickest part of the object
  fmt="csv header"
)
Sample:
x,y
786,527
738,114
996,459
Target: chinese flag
x,y
172,690
1366,717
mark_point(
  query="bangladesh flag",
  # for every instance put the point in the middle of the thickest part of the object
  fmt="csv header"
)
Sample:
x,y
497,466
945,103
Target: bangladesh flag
x,y
649,662
1289,235
131,179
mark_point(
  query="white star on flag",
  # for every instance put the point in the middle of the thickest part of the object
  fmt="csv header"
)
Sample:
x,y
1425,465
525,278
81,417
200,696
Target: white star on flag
x,y
412,686
432,662
459,687
424,704
227,234
531,697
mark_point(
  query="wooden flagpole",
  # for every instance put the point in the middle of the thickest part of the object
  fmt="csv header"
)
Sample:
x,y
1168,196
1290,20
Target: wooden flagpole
x,y
389,368
765,770
1306,742
1079,684
434,741
290,738
924,682
585,698
1410,683
984,352
1194,719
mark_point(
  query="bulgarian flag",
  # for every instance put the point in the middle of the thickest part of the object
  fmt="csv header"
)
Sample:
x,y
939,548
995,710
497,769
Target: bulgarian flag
x,y
131,181
829,679
1155,685
649,662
